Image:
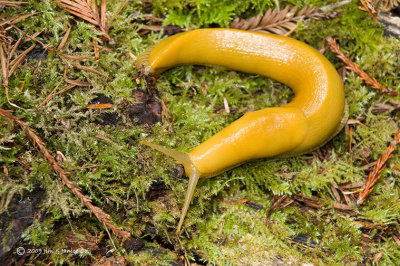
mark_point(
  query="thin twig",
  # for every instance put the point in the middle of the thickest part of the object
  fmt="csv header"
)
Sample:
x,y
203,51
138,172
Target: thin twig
x,y
99,213
64,39
12,3
90,70
334,47
369,8
376,172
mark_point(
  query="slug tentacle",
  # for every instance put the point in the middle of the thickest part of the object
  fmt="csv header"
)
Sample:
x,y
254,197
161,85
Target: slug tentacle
x,y
193,178
191,171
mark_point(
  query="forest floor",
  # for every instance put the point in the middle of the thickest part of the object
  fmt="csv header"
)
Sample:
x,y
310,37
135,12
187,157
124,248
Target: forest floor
x,y
76,186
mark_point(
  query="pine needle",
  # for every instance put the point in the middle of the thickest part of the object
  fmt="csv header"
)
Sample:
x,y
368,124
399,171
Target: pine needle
x,y
11,4
64,39
90,70
89,11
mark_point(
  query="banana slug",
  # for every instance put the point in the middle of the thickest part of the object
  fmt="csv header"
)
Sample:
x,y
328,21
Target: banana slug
x,y
314,116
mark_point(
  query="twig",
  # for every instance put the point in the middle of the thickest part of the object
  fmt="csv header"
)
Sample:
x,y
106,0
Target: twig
x,y
96,49
118,11
376,172
281,22
276,205
12,3
78,82
90,70
99,213
67,88
369,7
334,47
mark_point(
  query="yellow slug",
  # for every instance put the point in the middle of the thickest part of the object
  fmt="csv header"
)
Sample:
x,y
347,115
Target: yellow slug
x,y
313,117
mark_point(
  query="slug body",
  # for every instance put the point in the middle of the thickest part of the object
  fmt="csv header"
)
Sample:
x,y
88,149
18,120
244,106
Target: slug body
x,y
310,120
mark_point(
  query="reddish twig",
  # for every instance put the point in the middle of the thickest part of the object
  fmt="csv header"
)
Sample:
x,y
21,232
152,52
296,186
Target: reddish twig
x,y
99,213
369,7
334,47
376,172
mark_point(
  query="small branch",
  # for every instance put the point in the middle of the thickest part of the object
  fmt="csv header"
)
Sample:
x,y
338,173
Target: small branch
x,y
12,3
376,172
334,47
99,213
281,22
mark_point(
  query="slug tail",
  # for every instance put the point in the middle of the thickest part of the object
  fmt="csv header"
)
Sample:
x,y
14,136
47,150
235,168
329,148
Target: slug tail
x,y
190,169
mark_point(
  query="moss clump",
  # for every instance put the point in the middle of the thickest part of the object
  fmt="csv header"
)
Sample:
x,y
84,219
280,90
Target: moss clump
x,y
119,175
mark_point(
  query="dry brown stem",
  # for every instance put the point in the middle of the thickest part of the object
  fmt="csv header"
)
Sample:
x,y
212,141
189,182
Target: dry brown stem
x,y
10,64
89,11
334,47
99,213
12,3
376,172
368,5
64,39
